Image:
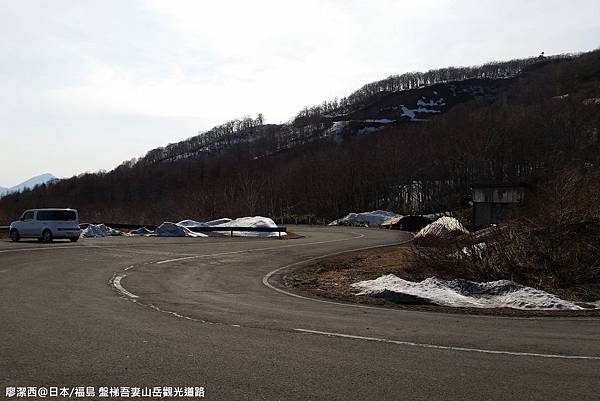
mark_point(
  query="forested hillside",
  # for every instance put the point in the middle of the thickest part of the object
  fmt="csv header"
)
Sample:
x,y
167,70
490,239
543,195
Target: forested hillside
x,y
409,143
410,97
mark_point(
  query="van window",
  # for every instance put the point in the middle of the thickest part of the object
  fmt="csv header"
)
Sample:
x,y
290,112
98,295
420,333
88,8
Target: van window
x,y
28,216
61,215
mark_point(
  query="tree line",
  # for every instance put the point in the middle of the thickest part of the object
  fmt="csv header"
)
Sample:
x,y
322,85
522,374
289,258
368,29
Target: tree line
x,y
532,131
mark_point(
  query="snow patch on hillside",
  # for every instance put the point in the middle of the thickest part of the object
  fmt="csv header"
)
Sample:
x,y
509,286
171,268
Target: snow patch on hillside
x,y
462,293
431,103
369,130
381,121
412,113
337,127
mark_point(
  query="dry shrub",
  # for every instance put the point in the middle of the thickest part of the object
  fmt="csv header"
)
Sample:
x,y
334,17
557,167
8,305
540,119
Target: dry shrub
x,y
554,244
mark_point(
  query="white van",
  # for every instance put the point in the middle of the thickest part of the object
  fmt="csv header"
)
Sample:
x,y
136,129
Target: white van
x,y
46,225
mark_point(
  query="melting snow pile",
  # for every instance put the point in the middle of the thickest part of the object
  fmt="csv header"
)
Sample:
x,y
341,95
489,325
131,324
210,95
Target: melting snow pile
x,y
257,221
99,230
444,228
475,250
462,293
365,219
168,229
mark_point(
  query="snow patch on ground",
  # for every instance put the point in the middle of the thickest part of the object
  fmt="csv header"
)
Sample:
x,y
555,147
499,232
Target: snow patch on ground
x,y
368,219
98,231
475,250
462,293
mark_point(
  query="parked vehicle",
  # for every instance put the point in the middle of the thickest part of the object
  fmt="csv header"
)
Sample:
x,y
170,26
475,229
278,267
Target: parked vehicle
x,y
46,225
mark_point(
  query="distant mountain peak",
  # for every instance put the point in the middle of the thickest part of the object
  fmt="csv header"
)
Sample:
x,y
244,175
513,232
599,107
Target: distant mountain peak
x,y
28,184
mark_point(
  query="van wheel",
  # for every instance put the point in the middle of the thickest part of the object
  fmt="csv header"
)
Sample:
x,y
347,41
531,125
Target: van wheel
x,y
47,236
14,235
73,239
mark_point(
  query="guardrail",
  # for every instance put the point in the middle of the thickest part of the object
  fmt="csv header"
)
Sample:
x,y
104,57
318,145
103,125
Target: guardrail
x,y
240,229
4,229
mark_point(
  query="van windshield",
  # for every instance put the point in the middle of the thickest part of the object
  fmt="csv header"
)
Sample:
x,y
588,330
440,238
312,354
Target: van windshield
x,y
62,215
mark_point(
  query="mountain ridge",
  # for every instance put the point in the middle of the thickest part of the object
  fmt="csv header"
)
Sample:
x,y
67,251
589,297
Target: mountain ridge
x,y
398,99
324,163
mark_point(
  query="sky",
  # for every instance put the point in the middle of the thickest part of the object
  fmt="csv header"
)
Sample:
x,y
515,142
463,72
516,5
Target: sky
x,y
88,84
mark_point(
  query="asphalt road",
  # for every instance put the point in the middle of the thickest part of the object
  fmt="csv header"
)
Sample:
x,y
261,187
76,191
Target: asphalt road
x,y
196,312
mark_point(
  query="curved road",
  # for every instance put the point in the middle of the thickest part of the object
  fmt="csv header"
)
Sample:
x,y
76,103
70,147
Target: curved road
x,y
196,312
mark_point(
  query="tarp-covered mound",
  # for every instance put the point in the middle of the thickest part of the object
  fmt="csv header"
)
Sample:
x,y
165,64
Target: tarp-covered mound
x,y
185,228
99,230
142,231
168,229
192,223
365,219
218,221
462,293
443,229
256,221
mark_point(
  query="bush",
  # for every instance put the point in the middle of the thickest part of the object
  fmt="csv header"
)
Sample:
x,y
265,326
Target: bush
x,y
554,244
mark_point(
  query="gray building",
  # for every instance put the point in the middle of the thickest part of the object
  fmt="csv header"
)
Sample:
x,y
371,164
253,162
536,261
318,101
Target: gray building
x,y
493,202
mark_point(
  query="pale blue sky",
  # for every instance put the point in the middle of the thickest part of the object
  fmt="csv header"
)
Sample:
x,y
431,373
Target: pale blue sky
x,y
87,84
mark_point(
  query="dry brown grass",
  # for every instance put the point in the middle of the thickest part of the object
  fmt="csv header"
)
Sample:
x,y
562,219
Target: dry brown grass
x,y
332,278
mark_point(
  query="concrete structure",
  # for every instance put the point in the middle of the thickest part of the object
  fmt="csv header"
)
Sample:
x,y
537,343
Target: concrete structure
x,y
493,202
